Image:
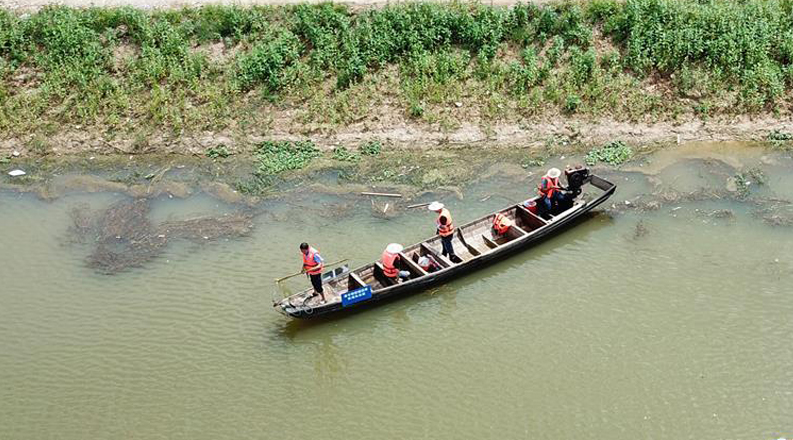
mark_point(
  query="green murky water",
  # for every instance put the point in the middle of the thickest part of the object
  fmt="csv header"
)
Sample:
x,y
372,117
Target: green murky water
x,y
668,322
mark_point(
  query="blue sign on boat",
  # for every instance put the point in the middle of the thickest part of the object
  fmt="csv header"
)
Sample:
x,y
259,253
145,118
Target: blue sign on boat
x,y
356,296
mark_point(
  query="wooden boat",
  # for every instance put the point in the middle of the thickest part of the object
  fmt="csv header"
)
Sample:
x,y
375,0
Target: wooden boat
x,y
475,243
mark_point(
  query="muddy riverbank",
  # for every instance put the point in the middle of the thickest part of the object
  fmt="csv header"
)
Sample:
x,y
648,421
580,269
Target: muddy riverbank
x,y
401,133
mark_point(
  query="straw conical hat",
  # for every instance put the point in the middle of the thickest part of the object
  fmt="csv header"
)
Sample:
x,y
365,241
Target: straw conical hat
x,y
435,206
394,248
554,173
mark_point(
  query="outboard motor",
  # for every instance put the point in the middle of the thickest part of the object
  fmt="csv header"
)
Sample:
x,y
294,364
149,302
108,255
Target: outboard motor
x,y
576,177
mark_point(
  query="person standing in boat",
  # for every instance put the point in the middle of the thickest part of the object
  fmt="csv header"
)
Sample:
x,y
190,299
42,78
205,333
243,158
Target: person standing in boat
x,y
445,228
313,265
550,190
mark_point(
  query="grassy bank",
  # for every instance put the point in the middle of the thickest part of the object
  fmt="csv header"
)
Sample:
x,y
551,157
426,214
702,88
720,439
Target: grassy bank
x,y
129,73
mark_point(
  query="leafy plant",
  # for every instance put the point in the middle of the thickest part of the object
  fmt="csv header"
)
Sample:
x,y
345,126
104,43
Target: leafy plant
x,y
219,151
275,157
533,162
371,148
343,154
777,135
757,175
613,153
780,139
572,102
742,184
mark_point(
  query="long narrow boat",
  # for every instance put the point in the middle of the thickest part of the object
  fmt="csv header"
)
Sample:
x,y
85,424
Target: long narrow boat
x,y
474,242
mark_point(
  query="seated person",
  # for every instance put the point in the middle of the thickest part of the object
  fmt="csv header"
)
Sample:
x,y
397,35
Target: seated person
x,y
501,224
389,259
429,264
550,190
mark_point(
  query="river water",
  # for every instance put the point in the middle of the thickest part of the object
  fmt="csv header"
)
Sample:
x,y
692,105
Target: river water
x,y
665,323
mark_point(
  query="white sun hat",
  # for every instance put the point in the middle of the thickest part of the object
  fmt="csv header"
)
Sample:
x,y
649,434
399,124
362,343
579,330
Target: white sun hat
x,y
394,248
554,173
424,261
435,206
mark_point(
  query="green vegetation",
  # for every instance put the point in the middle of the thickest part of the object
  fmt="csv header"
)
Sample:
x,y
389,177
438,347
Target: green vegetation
x,y
533,162
221,151
744,181
276,157
345,155
614,153
371,148
121,69
780,139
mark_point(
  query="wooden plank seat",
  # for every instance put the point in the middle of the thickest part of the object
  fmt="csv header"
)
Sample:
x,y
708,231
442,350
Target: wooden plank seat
x,y
439,258
472,250
380,275
414,268
355,279
490,243
529,219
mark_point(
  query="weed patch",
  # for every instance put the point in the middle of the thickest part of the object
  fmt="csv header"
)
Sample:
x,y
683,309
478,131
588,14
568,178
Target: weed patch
x,y
123,68
221,151
344,155
614,153
371,148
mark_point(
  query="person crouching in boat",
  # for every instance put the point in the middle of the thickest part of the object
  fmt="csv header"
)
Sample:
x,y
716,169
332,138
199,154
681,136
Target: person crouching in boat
x,y
389,259
501,224
429,264
313,265
550,190
445,228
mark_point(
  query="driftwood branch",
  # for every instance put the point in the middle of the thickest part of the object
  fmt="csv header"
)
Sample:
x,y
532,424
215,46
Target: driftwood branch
x,y
380,194
418,205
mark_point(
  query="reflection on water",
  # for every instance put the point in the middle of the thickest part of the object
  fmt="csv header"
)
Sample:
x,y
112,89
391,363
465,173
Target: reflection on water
x,y
669,322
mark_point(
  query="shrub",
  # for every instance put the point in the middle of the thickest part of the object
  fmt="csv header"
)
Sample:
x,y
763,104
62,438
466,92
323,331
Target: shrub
x,y
582,65
571,103
264,64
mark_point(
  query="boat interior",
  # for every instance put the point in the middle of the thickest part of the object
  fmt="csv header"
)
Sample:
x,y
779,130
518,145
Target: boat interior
x,y
470,241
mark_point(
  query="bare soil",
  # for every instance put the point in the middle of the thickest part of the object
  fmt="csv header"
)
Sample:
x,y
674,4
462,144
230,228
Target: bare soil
x,y
401,133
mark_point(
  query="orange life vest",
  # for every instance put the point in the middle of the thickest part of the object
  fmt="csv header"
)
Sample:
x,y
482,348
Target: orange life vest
x,y
548,186
389,269
448,228
311,266
501,223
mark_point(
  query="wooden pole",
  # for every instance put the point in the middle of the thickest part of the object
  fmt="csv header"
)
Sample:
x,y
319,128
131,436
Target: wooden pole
x,y
278,280
380,194
418,205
